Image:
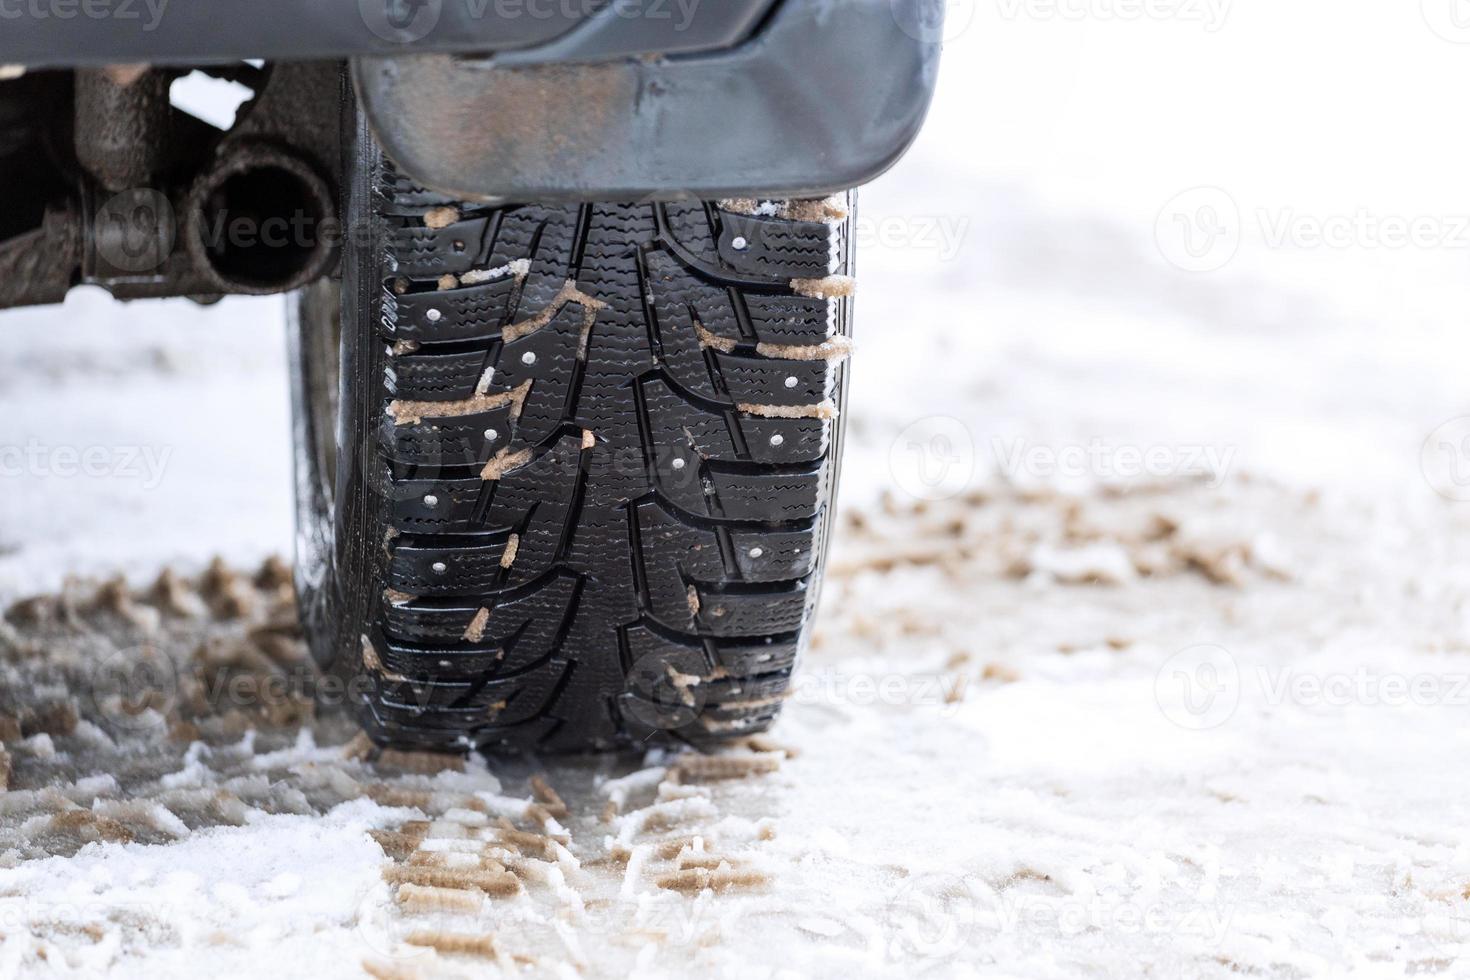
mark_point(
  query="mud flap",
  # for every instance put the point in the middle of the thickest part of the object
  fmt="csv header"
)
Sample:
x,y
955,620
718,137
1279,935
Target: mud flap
x,y
827,95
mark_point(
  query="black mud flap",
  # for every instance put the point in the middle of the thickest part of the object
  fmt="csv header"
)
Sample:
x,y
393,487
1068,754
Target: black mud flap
x,y
825,95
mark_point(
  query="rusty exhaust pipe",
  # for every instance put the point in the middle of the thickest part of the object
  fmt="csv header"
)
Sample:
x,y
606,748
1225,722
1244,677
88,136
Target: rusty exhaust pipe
x,y
260,221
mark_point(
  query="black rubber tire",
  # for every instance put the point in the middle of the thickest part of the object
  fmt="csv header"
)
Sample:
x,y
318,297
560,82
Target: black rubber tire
x,y
584,498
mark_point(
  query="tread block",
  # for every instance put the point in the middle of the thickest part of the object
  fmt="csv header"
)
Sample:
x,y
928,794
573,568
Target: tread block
x,y
466,440
690,223
539,500
521,628
549,358
670,546
677,559
436,377
775,556
729,435
731,693
778,249
775,381
751,613
786,442
522,698
793,496
472,565
799,321
542,235
528,628
427,506
680,297
429,253
421,621
773,653
420,695
643,641
469,313
719,364
699,554
466,664
667,682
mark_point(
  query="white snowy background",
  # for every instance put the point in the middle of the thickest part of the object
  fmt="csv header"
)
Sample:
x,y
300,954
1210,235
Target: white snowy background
x,y
1066,718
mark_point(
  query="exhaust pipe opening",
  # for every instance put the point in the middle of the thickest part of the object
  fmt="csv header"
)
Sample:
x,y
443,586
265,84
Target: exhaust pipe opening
x,y
262,222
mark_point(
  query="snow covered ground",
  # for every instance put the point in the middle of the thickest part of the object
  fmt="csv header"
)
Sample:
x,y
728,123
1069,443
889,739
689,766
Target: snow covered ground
x,y
1144,646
